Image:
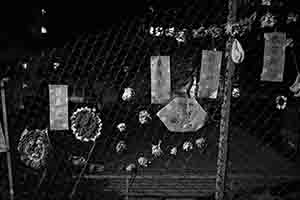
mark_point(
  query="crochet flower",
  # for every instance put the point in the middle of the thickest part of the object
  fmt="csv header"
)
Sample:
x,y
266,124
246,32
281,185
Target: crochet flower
x,y
215,31
121,127
86,124
156,150
268,20
143,161
159,31
128,94
173,151
131,167
199,33
144,116
281,102
170,32
121,147
187,146
201,143
56,65
235,92
181,36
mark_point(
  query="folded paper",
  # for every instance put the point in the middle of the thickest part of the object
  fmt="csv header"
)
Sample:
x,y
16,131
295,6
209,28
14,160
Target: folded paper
x,y
160,79
183,114
209,74
274,57
58,99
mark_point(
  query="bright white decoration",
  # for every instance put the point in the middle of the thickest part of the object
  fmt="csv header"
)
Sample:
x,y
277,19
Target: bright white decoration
x,y
156,150
43,30
173,151
143,161
235,92
121,127
24,65
56,65
121,147
180,36
144,116
130,167
187,146
201,143
159,31
128,94
170,32
281,102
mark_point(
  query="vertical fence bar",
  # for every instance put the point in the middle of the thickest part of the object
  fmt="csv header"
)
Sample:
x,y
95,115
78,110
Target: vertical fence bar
x,y
127,188
9,166
225,111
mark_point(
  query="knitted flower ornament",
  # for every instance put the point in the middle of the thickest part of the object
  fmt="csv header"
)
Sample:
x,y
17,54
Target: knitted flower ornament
x,y
187,146
128,94
143,161
121,127
156,150
34,148
173,151
144,116
281,102
86,124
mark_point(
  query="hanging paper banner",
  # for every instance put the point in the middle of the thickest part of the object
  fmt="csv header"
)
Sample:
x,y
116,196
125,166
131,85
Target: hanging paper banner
x,y
160,79
58,98
183,115
210,74
274,57
3,145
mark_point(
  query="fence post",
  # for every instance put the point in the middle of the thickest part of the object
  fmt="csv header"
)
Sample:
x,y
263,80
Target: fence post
x,y
10,177
127,188
225,111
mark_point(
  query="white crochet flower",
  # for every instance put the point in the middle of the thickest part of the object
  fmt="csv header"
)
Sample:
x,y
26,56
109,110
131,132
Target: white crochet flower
x,y
180,36
173,151
143,161
128,94
121,127
156,150
159,31
56,65
235,92
187,146
144,116
170,32
268,20
130,167
281,102
201,143
121,147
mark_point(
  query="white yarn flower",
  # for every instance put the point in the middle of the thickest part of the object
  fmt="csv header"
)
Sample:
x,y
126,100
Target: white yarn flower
x,y
173,151
130,167
187,146
268,20
159,31
281,102
121,127
201,143
144,116
151,30
235,92
156,150
143,161
180,36
121,147
170,32
56,65
128,94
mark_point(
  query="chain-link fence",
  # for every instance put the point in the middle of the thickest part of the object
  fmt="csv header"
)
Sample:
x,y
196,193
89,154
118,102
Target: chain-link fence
x,y
98,66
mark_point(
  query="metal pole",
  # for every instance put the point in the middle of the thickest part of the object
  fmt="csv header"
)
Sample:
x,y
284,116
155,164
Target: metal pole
x,y
9,166
225,111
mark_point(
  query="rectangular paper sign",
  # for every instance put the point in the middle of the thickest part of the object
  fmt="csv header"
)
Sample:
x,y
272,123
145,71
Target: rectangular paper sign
x,y
210,74
160,79
58,98
274,57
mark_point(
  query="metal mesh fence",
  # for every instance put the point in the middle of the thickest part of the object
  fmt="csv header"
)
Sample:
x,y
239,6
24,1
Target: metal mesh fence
x,y
98,66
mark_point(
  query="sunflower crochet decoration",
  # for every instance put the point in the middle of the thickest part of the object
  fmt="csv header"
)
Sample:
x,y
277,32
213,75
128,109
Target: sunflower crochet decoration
x,y
34,148
86,124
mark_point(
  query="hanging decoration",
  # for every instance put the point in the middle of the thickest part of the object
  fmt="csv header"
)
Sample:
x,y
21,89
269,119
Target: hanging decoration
x,y
210,74
144,117
173,151
58,100
160,79
121,127
34,147
121,147
281,102
156,150
268,20
201,143
128,94
131,167
237,52
183,115
274,57
86,124
187,146
143,161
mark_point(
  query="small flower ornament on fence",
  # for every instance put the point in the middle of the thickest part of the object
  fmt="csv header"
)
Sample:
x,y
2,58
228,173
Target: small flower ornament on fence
x,y
143,161
144,116
173,151
121,127
156,150
128,94
281,102
34,148
187,146
201,144
86,124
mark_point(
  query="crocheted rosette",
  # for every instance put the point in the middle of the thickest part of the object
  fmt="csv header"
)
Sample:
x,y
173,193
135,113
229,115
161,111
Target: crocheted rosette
x,y
86,124
34,148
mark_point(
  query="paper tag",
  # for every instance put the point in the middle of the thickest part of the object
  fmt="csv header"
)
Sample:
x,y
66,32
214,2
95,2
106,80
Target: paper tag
x,y
183,115
210,74
160,79
274,57
58,98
